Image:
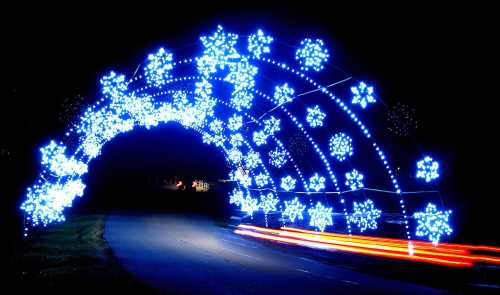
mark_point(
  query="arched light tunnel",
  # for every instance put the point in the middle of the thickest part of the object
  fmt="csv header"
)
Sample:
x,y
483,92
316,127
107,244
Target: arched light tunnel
x,y
305,166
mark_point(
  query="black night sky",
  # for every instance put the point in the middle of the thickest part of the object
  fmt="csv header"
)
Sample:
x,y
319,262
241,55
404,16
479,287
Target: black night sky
x,y
435,58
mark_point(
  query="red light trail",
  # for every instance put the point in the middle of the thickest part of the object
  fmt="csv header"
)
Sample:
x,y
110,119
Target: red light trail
x,y
454,255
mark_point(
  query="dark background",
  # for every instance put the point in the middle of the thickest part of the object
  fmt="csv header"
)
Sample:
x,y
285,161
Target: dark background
x,y
438,58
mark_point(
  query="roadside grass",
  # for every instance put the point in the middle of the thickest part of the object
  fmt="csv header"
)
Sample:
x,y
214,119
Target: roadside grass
x,y
74,257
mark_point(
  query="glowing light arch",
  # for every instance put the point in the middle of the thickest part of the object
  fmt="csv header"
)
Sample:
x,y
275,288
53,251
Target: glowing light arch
x,y
206,92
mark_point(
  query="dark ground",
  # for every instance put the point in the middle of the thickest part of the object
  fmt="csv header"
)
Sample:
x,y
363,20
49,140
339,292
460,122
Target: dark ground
x,y
72,258
175,253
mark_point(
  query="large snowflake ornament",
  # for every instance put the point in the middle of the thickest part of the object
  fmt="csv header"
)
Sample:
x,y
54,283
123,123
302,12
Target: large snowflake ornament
x,y
365,215
354,180
113,85
249,205
236,197
320,216
315,117
268,203
312,54
283,94
261,179
433,223
363,95
317,182
277,157
288,183
258,43
341,146
293,210
157,70
427,169
235,122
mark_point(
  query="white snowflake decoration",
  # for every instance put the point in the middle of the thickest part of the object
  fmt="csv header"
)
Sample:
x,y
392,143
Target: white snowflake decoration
x,y
235,122
315,117
427,169
113,85
271,125
317,182
320,216
354,180
157,71
268,203
283,94
293,210
236,140
249,205
55,160
433,223
235,155
312,54
236,197
363,95
277,157
341,146
261,180
365,215
252,160
260,137
258,43
288,183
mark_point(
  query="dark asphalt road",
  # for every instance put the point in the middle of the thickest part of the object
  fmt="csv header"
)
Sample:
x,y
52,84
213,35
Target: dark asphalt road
x,y
191,255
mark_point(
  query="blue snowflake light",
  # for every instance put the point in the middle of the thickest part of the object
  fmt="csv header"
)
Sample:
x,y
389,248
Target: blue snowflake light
x,y
320,216
317,182
236,140
249,205
261,180
113,85
236,197
433,223
288,183
312,54
315,117
271,125
55,160
252,160
235,155
158,68
341,146
268,203
293,210
260,137
283,94
427,169
365,215
235,122
354,180
363,95
258,43
219,51
277,157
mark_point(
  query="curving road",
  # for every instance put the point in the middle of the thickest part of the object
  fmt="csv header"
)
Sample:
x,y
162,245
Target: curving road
x,y
193,255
